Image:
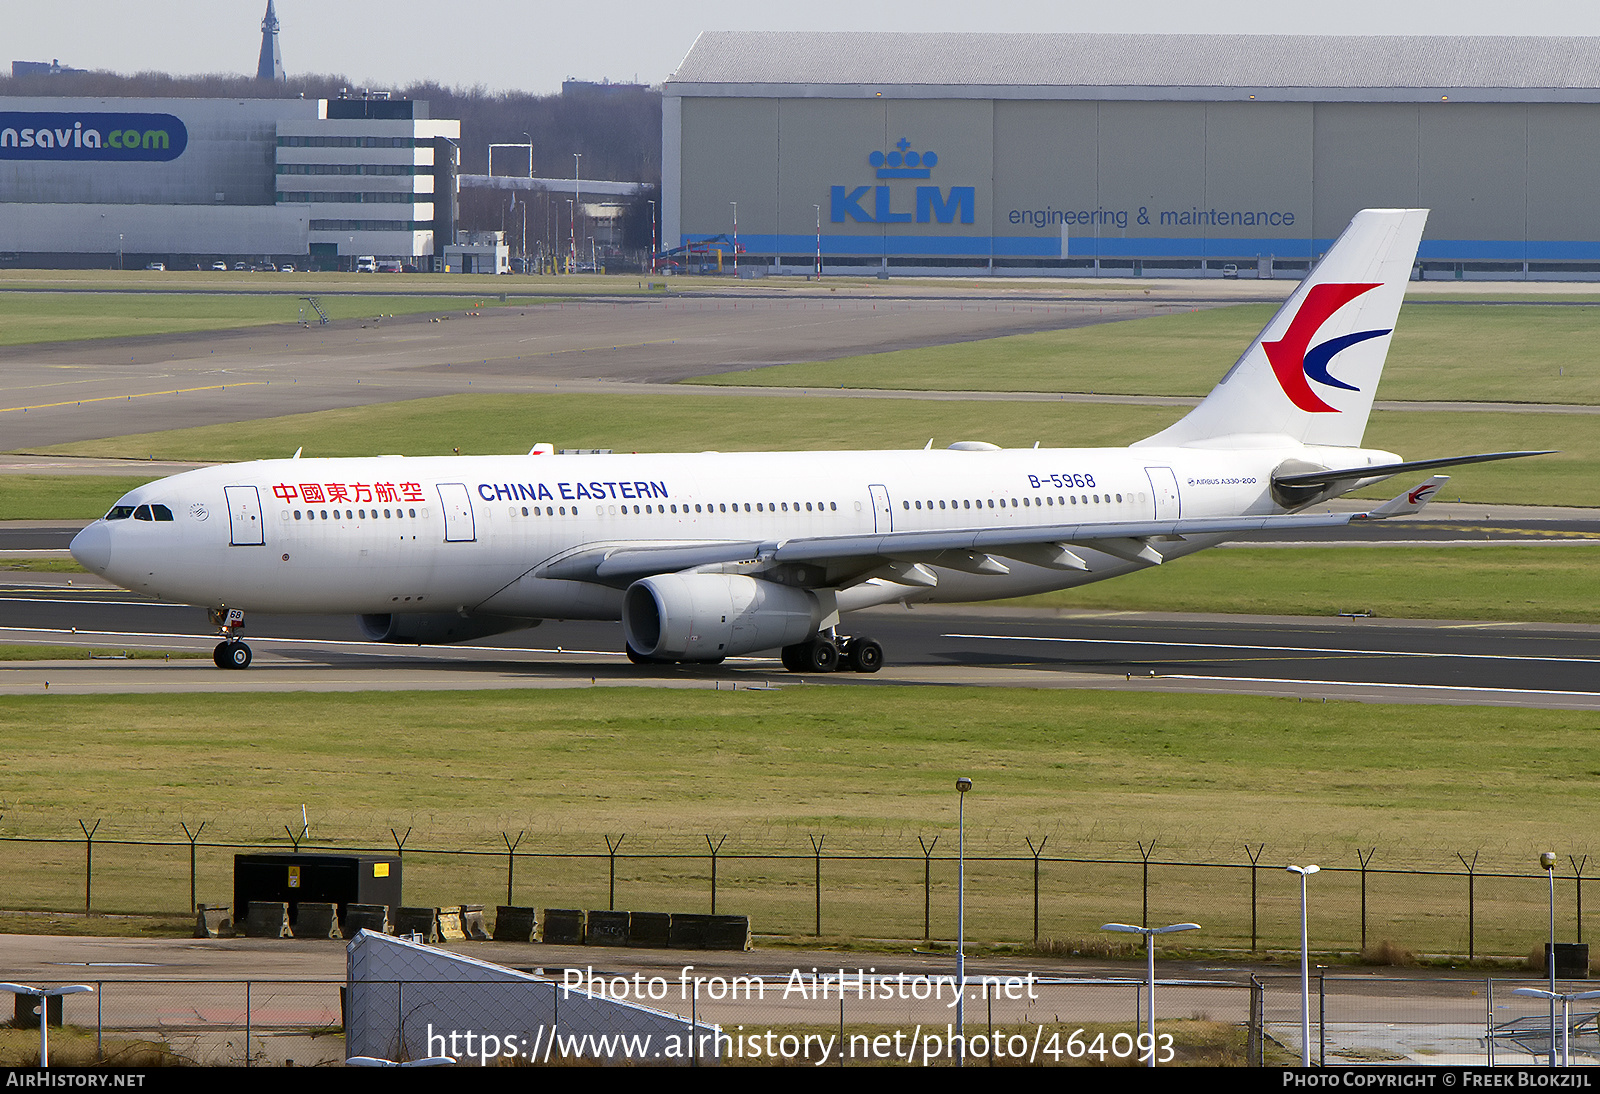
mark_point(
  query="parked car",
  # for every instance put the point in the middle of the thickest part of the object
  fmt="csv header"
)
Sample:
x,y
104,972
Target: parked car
x,y
286,268
240,266
159,267
223,266
366,264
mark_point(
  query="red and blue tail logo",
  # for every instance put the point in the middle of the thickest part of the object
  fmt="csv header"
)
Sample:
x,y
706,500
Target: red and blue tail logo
x,y
1295,361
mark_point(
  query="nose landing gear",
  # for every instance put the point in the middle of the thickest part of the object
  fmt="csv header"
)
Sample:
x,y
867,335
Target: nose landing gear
x,y
231,653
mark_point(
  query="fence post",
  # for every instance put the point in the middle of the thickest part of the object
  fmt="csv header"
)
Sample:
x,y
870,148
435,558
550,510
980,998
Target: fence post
x,y
1577,878
511,862
193,836
927,883
715,847
88,867
1364,859
1255,858
400,844
1144,915
294,839
1472,886
1252,1044
1037,851
816,851
611,852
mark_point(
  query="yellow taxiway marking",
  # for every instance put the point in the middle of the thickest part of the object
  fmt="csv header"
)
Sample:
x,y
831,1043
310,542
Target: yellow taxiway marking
x,y
124,398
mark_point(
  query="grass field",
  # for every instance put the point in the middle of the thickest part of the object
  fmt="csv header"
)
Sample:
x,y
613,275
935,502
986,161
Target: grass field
x,y
27,318
869,770
1555,583
483,424
1474,352
62,497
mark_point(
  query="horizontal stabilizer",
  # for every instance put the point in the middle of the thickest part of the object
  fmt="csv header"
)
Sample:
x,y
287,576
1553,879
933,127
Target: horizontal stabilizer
x,y
1384,470
1411,501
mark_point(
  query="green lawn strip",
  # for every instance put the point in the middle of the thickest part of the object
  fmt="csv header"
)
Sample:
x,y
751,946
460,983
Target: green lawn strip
x,y
62,497
1527,583
31,317
41,566
1472,352
10,652
866,769
484,424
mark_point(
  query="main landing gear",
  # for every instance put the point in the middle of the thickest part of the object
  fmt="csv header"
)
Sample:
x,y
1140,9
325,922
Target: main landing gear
x,y
231,653
826,654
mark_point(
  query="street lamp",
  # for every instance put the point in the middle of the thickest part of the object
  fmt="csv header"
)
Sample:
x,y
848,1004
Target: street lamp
x,y
652,234
44,995
963,784
572,236
735,205
1547,859
1566,1012
1150,969
1305,967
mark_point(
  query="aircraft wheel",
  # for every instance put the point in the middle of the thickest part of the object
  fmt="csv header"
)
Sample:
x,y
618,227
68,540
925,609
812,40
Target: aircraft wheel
x,y
238,655
794,657
818,655
220,656
864,655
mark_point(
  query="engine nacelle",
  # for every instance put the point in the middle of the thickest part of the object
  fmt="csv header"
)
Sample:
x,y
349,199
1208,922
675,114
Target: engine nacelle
x,y
438,628
706,617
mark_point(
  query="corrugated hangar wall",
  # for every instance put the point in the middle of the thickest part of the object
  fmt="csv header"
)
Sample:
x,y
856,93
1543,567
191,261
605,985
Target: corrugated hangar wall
x,y
1174,185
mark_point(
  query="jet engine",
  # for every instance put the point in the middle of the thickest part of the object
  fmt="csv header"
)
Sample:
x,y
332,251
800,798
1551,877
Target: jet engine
x,y
438,628
706,617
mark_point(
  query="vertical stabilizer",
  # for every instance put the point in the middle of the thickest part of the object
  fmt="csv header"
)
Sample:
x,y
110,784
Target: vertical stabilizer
x,y
1311,374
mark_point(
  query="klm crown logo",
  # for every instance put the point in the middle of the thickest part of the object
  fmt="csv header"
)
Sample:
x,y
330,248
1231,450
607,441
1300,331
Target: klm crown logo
x,y
903,163
933,204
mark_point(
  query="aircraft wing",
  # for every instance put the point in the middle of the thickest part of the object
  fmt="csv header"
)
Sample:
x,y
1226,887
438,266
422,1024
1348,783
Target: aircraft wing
x,y
966,549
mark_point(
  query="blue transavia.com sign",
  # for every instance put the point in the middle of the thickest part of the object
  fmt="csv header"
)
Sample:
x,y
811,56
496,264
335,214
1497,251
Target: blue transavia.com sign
x,y
148,138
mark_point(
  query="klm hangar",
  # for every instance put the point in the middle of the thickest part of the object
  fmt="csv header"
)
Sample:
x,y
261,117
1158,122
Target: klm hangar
x,y
1163,155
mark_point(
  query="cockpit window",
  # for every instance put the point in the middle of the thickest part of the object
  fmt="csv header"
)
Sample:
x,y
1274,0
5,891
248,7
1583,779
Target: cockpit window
x,y
161,512
142,513
120,512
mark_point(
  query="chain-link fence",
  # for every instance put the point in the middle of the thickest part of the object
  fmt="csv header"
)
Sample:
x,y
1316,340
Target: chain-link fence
x,y
860,1020
827,892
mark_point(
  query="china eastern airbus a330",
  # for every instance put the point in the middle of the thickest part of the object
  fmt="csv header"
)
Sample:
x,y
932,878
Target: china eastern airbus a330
x,y
707,555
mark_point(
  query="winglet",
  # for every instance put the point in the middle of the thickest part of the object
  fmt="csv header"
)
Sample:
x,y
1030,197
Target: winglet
x,y
1411,501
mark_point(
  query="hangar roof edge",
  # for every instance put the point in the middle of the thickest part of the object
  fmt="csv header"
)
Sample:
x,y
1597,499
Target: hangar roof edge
x,y
1092,65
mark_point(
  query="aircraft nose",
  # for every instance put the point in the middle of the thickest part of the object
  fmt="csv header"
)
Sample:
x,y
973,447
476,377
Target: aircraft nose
x,y
92,548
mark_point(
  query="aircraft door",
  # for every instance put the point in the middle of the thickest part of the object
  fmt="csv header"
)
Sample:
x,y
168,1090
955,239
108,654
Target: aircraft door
x,y
457,505
1164,489
882,511
244,516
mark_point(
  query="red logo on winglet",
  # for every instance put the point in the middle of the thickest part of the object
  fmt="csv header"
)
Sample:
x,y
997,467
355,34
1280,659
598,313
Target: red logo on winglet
x,y
1288,354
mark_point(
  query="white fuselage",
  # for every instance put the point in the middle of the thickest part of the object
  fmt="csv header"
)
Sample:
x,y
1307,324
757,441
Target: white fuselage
x,y
447,534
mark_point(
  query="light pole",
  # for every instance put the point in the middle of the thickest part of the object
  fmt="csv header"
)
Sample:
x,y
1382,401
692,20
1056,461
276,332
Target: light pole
x,y
818,270
1547,859
1150,970
963,784
572,236
652,234
1566,1014
44,995
735,205
119,250
1305,967
577,202
525,198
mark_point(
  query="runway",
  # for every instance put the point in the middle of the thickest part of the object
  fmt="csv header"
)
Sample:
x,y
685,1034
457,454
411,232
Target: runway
x,y
1549,665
